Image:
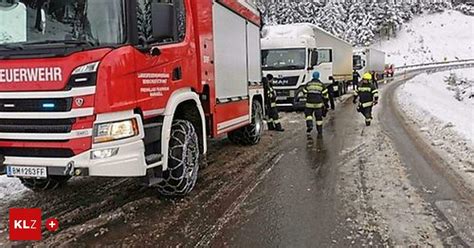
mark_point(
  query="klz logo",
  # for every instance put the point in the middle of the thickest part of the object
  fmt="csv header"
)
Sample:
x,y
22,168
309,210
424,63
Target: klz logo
x,y
25,224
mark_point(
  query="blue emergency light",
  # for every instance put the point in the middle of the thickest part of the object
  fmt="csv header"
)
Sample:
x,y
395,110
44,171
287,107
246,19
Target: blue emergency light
x,y
49,105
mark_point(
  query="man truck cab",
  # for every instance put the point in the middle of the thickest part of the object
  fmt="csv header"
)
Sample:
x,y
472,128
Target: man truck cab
x,y
289,53
293,52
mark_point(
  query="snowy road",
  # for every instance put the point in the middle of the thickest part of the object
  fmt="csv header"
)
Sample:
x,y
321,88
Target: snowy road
x,y
360,185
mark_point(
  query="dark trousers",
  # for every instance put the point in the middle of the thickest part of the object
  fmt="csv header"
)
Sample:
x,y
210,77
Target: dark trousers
x,y
354,84
274,118
367,113
331,97
310,114
376,83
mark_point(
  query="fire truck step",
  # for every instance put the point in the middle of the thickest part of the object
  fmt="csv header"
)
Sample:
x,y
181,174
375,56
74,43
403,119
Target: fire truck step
x,y
153,158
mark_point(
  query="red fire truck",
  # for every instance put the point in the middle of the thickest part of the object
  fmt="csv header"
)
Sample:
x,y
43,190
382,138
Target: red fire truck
x,y
125,88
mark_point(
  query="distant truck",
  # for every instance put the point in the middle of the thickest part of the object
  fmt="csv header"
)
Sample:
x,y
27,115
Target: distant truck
x,y
368,60
293,52
389,70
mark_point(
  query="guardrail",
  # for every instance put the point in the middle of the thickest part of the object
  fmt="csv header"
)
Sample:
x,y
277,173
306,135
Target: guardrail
x,y
461,61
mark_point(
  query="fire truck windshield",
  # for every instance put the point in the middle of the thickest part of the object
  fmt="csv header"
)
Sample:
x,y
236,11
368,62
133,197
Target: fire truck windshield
x,y
284,59
60,22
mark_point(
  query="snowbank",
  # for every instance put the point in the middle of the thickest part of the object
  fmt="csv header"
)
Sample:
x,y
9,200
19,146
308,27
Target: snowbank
x,y
432,38
10,187
431,95
442,107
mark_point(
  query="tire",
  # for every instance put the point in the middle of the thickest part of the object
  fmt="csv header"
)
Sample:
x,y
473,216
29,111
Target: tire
x,y
183,160
250,134
50,183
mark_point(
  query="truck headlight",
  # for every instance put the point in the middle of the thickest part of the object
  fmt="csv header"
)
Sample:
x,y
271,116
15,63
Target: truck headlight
x,y
111,131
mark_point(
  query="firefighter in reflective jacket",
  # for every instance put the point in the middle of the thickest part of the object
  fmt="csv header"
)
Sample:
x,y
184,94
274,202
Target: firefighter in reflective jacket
x,y
368,96
317,98
274,118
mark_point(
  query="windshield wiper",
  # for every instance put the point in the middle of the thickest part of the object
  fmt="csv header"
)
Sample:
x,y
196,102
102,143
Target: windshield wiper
x,y
66,42
13,47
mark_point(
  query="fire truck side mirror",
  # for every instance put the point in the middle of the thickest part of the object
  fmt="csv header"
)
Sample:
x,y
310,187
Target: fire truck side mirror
x,y
163,21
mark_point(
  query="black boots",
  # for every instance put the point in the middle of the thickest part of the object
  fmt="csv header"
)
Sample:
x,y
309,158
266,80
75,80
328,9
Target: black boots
x,y
320,131
279,128
271,126
275,127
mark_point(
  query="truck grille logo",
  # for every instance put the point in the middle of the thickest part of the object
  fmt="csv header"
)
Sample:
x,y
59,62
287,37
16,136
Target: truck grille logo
x,y
79,102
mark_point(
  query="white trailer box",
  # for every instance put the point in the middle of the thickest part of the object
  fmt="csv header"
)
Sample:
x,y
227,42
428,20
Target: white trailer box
x,y
340,54
368,59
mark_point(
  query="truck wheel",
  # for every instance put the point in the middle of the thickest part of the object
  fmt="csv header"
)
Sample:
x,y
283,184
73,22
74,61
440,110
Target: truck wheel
x,y
52,182
183,161
250,134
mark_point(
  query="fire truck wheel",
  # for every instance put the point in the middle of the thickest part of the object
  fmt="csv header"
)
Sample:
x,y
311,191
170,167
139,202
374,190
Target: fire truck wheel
x,y
250,134
52,182
183,161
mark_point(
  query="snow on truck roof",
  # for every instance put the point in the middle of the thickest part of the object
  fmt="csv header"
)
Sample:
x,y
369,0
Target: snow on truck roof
x,y
295,31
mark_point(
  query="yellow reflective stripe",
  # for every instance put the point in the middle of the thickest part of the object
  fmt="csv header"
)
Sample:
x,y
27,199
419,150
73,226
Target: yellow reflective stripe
x,y
305,90
276,121
319,123
315,87
376,95
273,105
314,105
309,118
364,89
325,91
355,93
375,91
367,104
270,120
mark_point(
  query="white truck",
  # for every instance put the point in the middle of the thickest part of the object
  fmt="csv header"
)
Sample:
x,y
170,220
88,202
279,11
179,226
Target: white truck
x,y
367,59
291,53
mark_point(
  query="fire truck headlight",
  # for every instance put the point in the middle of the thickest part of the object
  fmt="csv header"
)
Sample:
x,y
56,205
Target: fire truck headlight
x,y
88,68
111,131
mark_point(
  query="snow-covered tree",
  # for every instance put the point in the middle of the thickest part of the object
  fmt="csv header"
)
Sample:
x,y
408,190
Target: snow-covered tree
x,y
359,22
333,19
361,25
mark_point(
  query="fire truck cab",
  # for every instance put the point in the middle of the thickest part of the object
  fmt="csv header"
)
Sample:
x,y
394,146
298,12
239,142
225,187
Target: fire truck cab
x,y
125,88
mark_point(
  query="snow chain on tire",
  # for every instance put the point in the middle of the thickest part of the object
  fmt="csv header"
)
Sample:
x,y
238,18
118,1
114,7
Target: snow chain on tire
x,y
183,161
50,183
250,134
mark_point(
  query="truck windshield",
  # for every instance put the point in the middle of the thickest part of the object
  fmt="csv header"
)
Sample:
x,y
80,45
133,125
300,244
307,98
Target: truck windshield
x,y
61,22
357,62
284,59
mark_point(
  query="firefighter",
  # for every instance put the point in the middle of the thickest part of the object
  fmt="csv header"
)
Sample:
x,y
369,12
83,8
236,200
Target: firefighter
x,y
331,92
317,98
375,79
368,96
271,96
355,79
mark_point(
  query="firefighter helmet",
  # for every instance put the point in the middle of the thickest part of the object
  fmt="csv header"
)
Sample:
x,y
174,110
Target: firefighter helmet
x,y
367,76
316,75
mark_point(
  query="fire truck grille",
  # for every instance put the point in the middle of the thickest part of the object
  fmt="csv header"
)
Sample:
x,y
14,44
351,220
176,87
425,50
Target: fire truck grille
x,y
36,126
37,152
36,105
